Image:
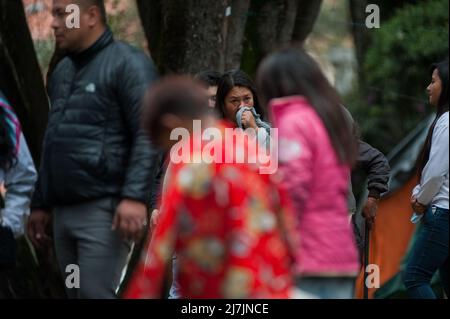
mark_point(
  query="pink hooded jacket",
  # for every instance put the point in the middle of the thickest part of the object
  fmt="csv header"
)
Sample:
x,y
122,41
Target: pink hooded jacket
x,y
318,185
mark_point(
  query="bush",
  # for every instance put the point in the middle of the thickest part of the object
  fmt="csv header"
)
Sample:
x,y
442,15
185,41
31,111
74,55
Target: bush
x,y
397,72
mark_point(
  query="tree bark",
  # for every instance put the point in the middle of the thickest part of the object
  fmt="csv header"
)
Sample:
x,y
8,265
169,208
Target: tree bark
x,y
307,13
235,34
361,35
274,24
267,26
22,82
150,14
191,34
283,22
20,76
287,26
195,35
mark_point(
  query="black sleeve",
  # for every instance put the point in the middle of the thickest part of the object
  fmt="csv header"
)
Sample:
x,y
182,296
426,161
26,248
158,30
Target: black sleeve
x,y
136,74
37,200
376,167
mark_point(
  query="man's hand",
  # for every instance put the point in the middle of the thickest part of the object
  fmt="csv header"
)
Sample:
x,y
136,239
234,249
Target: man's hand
x,y
369,211
248,120
417,207
36,226
130,219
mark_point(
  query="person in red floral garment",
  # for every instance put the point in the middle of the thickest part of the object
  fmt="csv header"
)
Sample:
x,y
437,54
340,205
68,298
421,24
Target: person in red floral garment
x,y
227,223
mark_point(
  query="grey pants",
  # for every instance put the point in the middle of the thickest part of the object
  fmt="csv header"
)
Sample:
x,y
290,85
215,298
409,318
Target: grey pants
x,y
83,238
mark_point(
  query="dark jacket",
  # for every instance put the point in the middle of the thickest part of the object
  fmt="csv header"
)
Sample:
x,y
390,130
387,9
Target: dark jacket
x,y
374,165
94,146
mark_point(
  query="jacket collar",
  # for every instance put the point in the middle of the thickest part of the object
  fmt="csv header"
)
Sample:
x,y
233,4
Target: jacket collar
x,y
103,41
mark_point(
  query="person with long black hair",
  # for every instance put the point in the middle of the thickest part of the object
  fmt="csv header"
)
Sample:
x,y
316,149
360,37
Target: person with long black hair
x,y
18,175
430,197
316,152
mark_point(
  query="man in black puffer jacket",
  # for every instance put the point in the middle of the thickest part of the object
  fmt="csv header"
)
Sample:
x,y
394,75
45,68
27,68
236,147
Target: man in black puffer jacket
x,y
97,167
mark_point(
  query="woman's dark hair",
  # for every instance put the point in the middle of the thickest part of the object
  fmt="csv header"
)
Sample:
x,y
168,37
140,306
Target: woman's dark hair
x,y
7,150
292,72
208,78
230,80
442,107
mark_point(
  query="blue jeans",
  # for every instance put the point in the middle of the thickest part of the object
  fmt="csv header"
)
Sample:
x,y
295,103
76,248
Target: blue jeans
x,y
429,254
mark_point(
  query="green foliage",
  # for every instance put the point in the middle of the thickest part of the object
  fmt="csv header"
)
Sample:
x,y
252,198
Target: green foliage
x,y
126,26
397,72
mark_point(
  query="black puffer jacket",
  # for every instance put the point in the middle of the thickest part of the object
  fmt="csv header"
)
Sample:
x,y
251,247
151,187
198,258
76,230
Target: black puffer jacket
x,y
94,146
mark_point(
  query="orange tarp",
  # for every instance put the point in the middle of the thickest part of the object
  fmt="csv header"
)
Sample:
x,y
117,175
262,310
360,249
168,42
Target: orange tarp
x,y
391,235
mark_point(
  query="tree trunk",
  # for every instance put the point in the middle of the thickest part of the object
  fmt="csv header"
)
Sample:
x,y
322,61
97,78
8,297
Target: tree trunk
x,y
274,24
196,35
361,35
20,76
191,34
307,13
235,34
283,22
22,82
287,26
150,14
267,26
